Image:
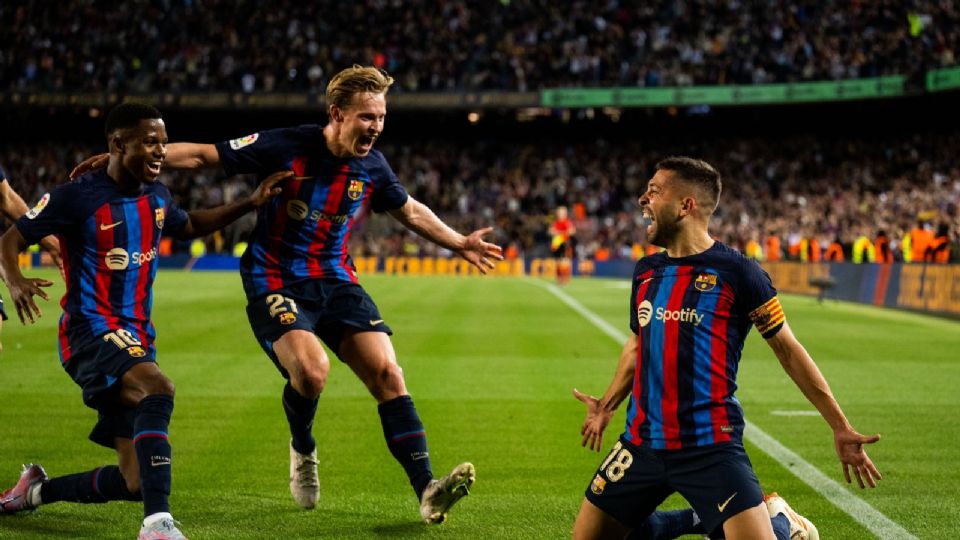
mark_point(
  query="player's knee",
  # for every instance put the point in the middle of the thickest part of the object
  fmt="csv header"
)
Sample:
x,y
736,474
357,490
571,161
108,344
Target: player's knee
x,y
162,386
313,378
388,379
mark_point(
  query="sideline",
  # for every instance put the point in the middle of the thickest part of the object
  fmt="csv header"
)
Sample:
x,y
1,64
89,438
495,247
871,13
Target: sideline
x,y
861,511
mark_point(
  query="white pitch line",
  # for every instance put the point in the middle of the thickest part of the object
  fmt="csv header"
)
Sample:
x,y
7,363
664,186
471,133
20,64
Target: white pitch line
x,y
861,511
803,412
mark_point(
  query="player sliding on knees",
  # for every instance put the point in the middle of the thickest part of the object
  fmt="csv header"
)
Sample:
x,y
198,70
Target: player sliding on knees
x,y
301,283
110,222
691,309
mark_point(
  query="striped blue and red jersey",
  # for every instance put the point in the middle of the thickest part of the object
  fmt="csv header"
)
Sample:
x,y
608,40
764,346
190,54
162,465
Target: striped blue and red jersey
x,y
109,240
691,316
302,233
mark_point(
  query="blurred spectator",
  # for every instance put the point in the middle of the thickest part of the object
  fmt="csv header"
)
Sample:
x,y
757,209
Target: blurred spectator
x,y
799,192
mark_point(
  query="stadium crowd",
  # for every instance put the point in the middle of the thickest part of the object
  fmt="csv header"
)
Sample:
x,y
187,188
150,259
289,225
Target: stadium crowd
x,y
439,45
800,198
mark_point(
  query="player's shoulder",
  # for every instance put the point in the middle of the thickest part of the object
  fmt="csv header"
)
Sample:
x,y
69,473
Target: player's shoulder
x,y
375,163
85,185
735,267
302,134
723,256
650,262
305,132
157,188
374,158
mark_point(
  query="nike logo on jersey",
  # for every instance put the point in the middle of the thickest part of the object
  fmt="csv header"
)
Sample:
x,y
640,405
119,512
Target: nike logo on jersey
x,y
106,227
722,507
376,322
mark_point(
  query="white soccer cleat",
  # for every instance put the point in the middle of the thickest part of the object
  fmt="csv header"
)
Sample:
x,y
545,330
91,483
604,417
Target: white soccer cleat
x,y
800,527
162,529
442,494
304,481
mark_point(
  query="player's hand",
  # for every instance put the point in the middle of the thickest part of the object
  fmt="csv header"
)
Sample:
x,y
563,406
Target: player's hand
x,y
22,294
51,245
269,189
478,252
595,423
849,446
96,162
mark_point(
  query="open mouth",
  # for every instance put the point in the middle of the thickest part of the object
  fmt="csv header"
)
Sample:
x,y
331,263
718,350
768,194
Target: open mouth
x,y
366,143
153,167
648,221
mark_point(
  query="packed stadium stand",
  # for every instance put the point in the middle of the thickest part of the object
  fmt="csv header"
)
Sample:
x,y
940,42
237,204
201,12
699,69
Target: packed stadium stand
x,y
287,45
797,186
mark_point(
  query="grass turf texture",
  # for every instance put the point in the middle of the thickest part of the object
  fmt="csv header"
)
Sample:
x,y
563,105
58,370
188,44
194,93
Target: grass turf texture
x,y
490,364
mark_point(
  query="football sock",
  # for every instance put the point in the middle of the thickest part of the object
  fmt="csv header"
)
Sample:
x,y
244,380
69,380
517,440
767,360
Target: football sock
x,y
781,527
153,451
300,412
665,525
97,486
407,440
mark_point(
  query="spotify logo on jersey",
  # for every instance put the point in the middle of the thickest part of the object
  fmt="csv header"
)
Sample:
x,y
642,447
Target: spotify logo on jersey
x,y
297,209
644,311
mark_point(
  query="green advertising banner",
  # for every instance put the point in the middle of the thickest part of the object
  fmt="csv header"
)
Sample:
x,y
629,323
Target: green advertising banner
x,y
943,79
725,95
563,98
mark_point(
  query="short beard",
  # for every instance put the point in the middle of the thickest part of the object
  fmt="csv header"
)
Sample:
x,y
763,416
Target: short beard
x,y
666,232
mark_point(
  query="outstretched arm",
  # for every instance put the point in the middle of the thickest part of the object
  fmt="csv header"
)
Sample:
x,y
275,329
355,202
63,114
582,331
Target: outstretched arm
x,y
22,289
600,411
179,156
417,217
204,222
191,156
12,207
806,375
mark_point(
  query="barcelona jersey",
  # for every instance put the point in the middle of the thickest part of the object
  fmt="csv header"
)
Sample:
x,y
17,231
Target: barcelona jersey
x,y
302,233
109,240
691,316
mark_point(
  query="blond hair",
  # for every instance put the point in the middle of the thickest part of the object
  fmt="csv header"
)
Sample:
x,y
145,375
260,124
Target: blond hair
x,y
355,80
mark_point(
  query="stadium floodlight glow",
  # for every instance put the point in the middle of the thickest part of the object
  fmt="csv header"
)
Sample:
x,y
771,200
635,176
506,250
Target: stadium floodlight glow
x,y
473,117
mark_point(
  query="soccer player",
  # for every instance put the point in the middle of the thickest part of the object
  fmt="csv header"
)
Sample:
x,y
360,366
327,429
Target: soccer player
x,y
301,283
12,207
561,244
110,222
691,309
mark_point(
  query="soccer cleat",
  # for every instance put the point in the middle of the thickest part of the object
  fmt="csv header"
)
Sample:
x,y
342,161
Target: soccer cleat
x,y
800,527
304,481
18,497
162,529
442,494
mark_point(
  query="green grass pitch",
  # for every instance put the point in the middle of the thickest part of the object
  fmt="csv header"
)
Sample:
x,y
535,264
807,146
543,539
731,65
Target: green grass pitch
x,y
490,363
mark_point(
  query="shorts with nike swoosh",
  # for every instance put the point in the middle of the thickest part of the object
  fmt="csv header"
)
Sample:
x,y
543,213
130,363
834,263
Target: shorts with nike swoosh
x,y
717,480
325,307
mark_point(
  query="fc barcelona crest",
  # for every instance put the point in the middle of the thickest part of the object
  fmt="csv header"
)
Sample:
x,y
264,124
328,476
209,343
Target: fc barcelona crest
x,y
355,190
598,485
158,216
705,282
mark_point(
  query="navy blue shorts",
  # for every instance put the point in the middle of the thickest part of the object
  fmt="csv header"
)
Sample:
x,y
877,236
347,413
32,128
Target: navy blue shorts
x,y
324,307
717,480
97,368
